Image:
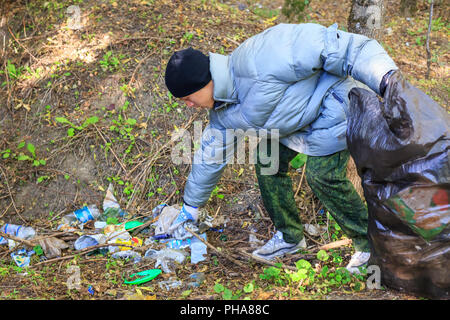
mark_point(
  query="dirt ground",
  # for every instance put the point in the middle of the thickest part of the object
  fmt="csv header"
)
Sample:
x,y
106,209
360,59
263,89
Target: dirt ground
x,y
112,68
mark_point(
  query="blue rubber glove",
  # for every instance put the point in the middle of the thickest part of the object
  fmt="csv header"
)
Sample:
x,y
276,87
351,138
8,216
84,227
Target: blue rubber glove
x,y
187,213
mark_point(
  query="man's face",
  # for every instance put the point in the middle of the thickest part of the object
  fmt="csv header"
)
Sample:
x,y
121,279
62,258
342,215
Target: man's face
x,y
202,98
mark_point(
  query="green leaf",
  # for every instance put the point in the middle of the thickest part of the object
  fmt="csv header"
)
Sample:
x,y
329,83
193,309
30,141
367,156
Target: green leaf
x,y
23,157
43,162
89,121
218,288
227,294
248,288
62,120
21,145
131,122
31,149
322,255
42,178
35,163
302,264
70,132
185,293
299,160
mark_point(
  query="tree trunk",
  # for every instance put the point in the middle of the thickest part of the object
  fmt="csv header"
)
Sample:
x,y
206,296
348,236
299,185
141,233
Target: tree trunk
x,y
366,17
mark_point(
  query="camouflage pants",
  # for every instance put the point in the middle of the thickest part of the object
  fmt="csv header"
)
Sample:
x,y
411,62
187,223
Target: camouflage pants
x,y
326,176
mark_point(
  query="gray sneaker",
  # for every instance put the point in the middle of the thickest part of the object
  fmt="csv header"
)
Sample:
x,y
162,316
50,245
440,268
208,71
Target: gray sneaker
x,y
359,259
277,247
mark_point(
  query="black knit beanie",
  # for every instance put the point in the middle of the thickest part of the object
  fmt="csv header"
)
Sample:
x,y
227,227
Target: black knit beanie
x,y
187,72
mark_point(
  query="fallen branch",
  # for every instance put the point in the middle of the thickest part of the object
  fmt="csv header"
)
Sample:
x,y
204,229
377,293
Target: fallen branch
x,y
83,251
226,256
8,236
114,154
301,180
430,20
335,244
268,262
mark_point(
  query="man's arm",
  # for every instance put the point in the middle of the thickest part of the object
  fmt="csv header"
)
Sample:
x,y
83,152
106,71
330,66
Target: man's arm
x,y
349,54
209,162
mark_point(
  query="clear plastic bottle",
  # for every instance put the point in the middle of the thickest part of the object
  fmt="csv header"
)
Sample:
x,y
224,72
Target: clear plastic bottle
x,y
18,231
198,250
82,215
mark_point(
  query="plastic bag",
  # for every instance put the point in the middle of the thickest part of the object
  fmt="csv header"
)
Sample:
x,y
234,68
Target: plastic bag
x,y
401,151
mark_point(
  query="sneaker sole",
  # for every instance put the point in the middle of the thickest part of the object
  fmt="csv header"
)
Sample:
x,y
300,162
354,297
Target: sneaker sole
x,y
279,253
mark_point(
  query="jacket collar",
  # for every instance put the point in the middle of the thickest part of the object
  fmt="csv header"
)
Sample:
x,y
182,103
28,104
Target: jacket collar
x,y
224,89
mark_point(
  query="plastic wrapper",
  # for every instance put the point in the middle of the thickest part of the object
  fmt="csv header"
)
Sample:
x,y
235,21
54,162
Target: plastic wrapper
x,y
401,150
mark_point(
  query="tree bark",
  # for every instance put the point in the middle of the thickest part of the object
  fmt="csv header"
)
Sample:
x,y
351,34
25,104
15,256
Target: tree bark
x,y
366,18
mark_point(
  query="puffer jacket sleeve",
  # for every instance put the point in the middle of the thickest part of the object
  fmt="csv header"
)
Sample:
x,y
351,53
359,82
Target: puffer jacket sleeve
x,y
216,149
340,53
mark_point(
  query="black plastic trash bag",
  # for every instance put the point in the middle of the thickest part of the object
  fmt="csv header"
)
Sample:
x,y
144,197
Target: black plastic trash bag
x,y
401,150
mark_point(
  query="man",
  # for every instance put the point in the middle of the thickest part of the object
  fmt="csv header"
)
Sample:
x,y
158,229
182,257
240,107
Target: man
x,y
292,79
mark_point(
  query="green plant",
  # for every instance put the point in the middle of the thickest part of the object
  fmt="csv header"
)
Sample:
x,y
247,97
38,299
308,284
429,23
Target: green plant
x,y
73,127
172,104
109,62
294,10
215,193
227,294
22,156
128,90
13,72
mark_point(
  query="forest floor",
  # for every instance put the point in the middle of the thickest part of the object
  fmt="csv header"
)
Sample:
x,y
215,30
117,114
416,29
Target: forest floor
x,y
83,108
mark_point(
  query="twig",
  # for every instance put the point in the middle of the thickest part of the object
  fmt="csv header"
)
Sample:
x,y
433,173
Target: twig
x,y
301,180
268,262
26,242
335,244
226,256
150,163
22,45
428,40
83,251
10,195
117,158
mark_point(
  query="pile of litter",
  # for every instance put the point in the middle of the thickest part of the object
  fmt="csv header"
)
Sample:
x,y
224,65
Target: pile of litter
x,y
110,232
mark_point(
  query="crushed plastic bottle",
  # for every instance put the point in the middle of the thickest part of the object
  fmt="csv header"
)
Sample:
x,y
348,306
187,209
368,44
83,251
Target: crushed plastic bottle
x,y
22,257
89,241
18,231
164,257
197,279
111,208
82,215
129,254
198,249
170,284
176,244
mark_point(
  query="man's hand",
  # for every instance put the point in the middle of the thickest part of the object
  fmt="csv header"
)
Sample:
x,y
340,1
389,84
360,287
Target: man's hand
x,y
385,81
187,214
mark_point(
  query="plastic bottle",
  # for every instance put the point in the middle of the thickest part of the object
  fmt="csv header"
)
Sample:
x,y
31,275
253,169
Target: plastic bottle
x,y
82,215
129,254
89,241
198,249
165,256
17,231
197,279
170,284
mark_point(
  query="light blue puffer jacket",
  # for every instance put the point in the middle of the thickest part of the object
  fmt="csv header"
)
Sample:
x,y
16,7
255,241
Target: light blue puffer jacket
x,y
291,77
